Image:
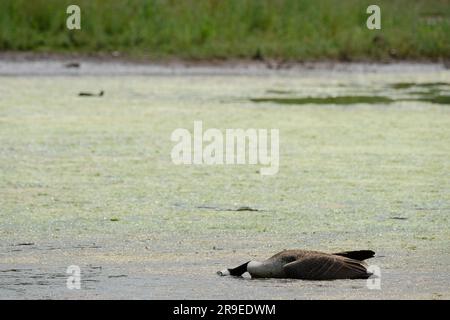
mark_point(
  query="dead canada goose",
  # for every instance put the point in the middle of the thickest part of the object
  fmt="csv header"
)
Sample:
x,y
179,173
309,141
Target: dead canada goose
x,y
307,265
90,94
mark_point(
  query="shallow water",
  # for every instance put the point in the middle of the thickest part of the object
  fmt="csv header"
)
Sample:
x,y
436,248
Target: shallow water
x,y
89,181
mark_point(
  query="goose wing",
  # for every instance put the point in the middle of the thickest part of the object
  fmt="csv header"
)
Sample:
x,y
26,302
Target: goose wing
x,y
326,267
287,256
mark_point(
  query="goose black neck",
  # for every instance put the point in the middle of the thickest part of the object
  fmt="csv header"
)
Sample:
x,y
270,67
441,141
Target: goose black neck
x,y
239,271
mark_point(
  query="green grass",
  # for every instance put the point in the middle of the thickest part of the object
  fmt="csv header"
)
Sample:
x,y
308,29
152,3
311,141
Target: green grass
x,y
212,29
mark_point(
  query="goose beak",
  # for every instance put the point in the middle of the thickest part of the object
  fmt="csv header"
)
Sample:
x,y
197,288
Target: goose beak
x,y
223,273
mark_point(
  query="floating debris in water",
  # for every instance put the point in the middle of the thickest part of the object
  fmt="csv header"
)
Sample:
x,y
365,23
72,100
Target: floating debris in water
x,y
246,208
24,244
94,267
90,94
15,270
243,208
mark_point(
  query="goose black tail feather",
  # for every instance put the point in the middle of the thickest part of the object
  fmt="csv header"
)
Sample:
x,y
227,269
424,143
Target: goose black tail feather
x,y
359,255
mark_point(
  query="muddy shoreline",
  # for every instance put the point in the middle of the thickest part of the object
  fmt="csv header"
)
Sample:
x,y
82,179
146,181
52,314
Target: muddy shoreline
x,y
32,63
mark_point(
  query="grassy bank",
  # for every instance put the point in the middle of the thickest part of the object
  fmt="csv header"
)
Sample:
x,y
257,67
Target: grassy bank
x,y
208,29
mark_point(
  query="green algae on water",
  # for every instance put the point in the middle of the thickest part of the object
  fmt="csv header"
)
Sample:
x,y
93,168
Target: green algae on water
x,y
341,100
408,85
436,99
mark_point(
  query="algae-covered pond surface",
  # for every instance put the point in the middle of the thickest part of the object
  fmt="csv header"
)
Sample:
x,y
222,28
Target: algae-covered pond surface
x,y
89,181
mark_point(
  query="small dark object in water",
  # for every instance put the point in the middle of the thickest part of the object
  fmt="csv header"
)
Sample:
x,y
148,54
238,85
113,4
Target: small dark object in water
x,y
90,94
15,270
25,244
246,208
399,218
72,65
